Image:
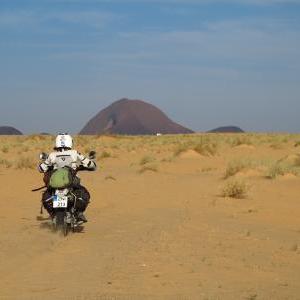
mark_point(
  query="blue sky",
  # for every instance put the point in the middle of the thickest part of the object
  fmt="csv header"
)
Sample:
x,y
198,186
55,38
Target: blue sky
x,y
205,63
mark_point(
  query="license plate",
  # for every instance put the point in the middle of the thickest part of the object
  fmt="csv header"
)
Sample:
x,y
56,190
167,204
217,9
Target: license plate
x,y
60,201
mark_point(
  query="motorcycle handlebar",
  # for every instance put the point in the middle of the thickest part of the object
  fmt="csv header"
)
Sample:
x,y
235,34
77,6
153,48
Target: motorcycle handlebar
x,y
82,168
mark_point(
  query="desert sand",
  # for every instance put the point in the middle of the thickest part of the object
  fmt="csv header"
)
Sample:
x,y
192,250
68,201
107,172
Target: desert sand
x,y
160,225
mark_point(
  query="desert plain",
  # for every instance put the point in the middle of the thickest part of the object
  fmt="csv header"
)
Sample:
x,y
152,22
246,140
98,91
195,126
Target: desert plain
x,y
203,216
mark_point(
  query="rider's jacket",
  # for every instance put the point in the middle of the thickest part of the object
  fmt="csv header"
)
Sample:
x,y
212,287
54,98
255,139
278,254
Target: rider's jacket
x,y
66,158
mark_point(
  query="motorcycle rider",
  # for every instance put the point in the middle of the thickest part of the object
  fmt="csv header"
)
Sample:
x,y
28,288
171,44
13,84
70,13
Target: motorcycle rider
x,y
65,156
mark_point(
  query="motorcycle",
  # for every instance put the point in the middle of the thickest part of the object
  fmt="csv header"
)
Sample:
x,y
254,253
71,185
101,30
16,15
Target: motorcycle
x,y
63,199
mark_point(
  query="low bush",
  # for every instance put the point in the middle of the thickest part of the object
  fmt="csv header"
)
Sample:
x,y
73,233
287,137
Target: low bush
x,y
235,189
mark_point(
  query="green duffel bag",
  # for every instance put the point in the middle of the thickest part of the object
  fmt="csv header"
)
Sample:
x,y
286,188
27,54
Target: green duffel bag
x,y
61,178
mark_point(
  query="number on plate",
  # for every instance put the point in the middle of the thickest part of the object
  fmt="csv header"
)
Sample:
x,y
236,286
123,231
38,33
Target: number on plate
x,y
60,201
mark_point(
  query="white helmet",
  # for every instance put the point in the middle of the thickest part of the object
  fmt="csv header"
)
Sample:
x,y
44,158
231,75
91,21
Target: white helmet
x,y
64,140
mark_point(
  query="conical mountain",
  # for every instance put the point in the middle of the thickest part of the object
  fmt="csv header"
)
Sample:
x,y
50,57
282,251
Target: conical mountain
x,y
227,129
8,130
132,117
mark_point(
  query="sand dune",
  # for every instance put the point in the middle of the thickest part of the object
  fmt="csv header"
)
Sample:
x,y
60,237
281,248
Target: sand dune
x,y
164,234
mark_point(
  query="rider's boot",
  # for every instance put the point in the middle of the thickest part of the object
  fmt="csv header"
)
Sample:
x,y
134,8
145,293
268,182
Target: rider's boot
x,y
81,217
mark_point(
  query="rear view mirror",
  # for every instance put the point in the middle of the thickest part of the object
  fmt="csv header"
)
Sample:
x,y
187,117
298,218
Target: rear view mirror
x,y
43,156
92,155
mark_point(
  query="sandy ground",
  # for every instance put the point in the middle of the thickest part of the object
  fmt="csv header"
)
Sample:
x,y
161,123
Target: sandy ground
x,y
156,235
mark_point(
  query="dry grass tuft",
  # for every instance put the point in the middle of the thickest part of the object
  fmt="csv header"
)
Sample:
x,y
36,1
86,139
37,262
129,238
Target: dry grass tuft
x,y
281,169
206,149
146,168
237,166
180,149
5,149
277,146
146,160
25,163
109,177
235,189
297,162
167,159
208,169
5,163
275,171
105,154
241,140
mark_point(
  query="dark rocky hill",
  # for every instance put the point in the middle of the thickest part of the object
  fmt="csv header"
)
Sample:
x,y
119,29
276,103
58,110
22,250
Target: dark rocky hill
x,y
227,129
132,117
7,130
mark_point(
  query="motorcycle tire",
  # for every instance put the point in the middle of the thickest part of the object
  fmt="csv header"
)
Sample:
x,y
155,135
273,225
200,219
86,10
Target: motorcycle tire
x,y
65,229
61,223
